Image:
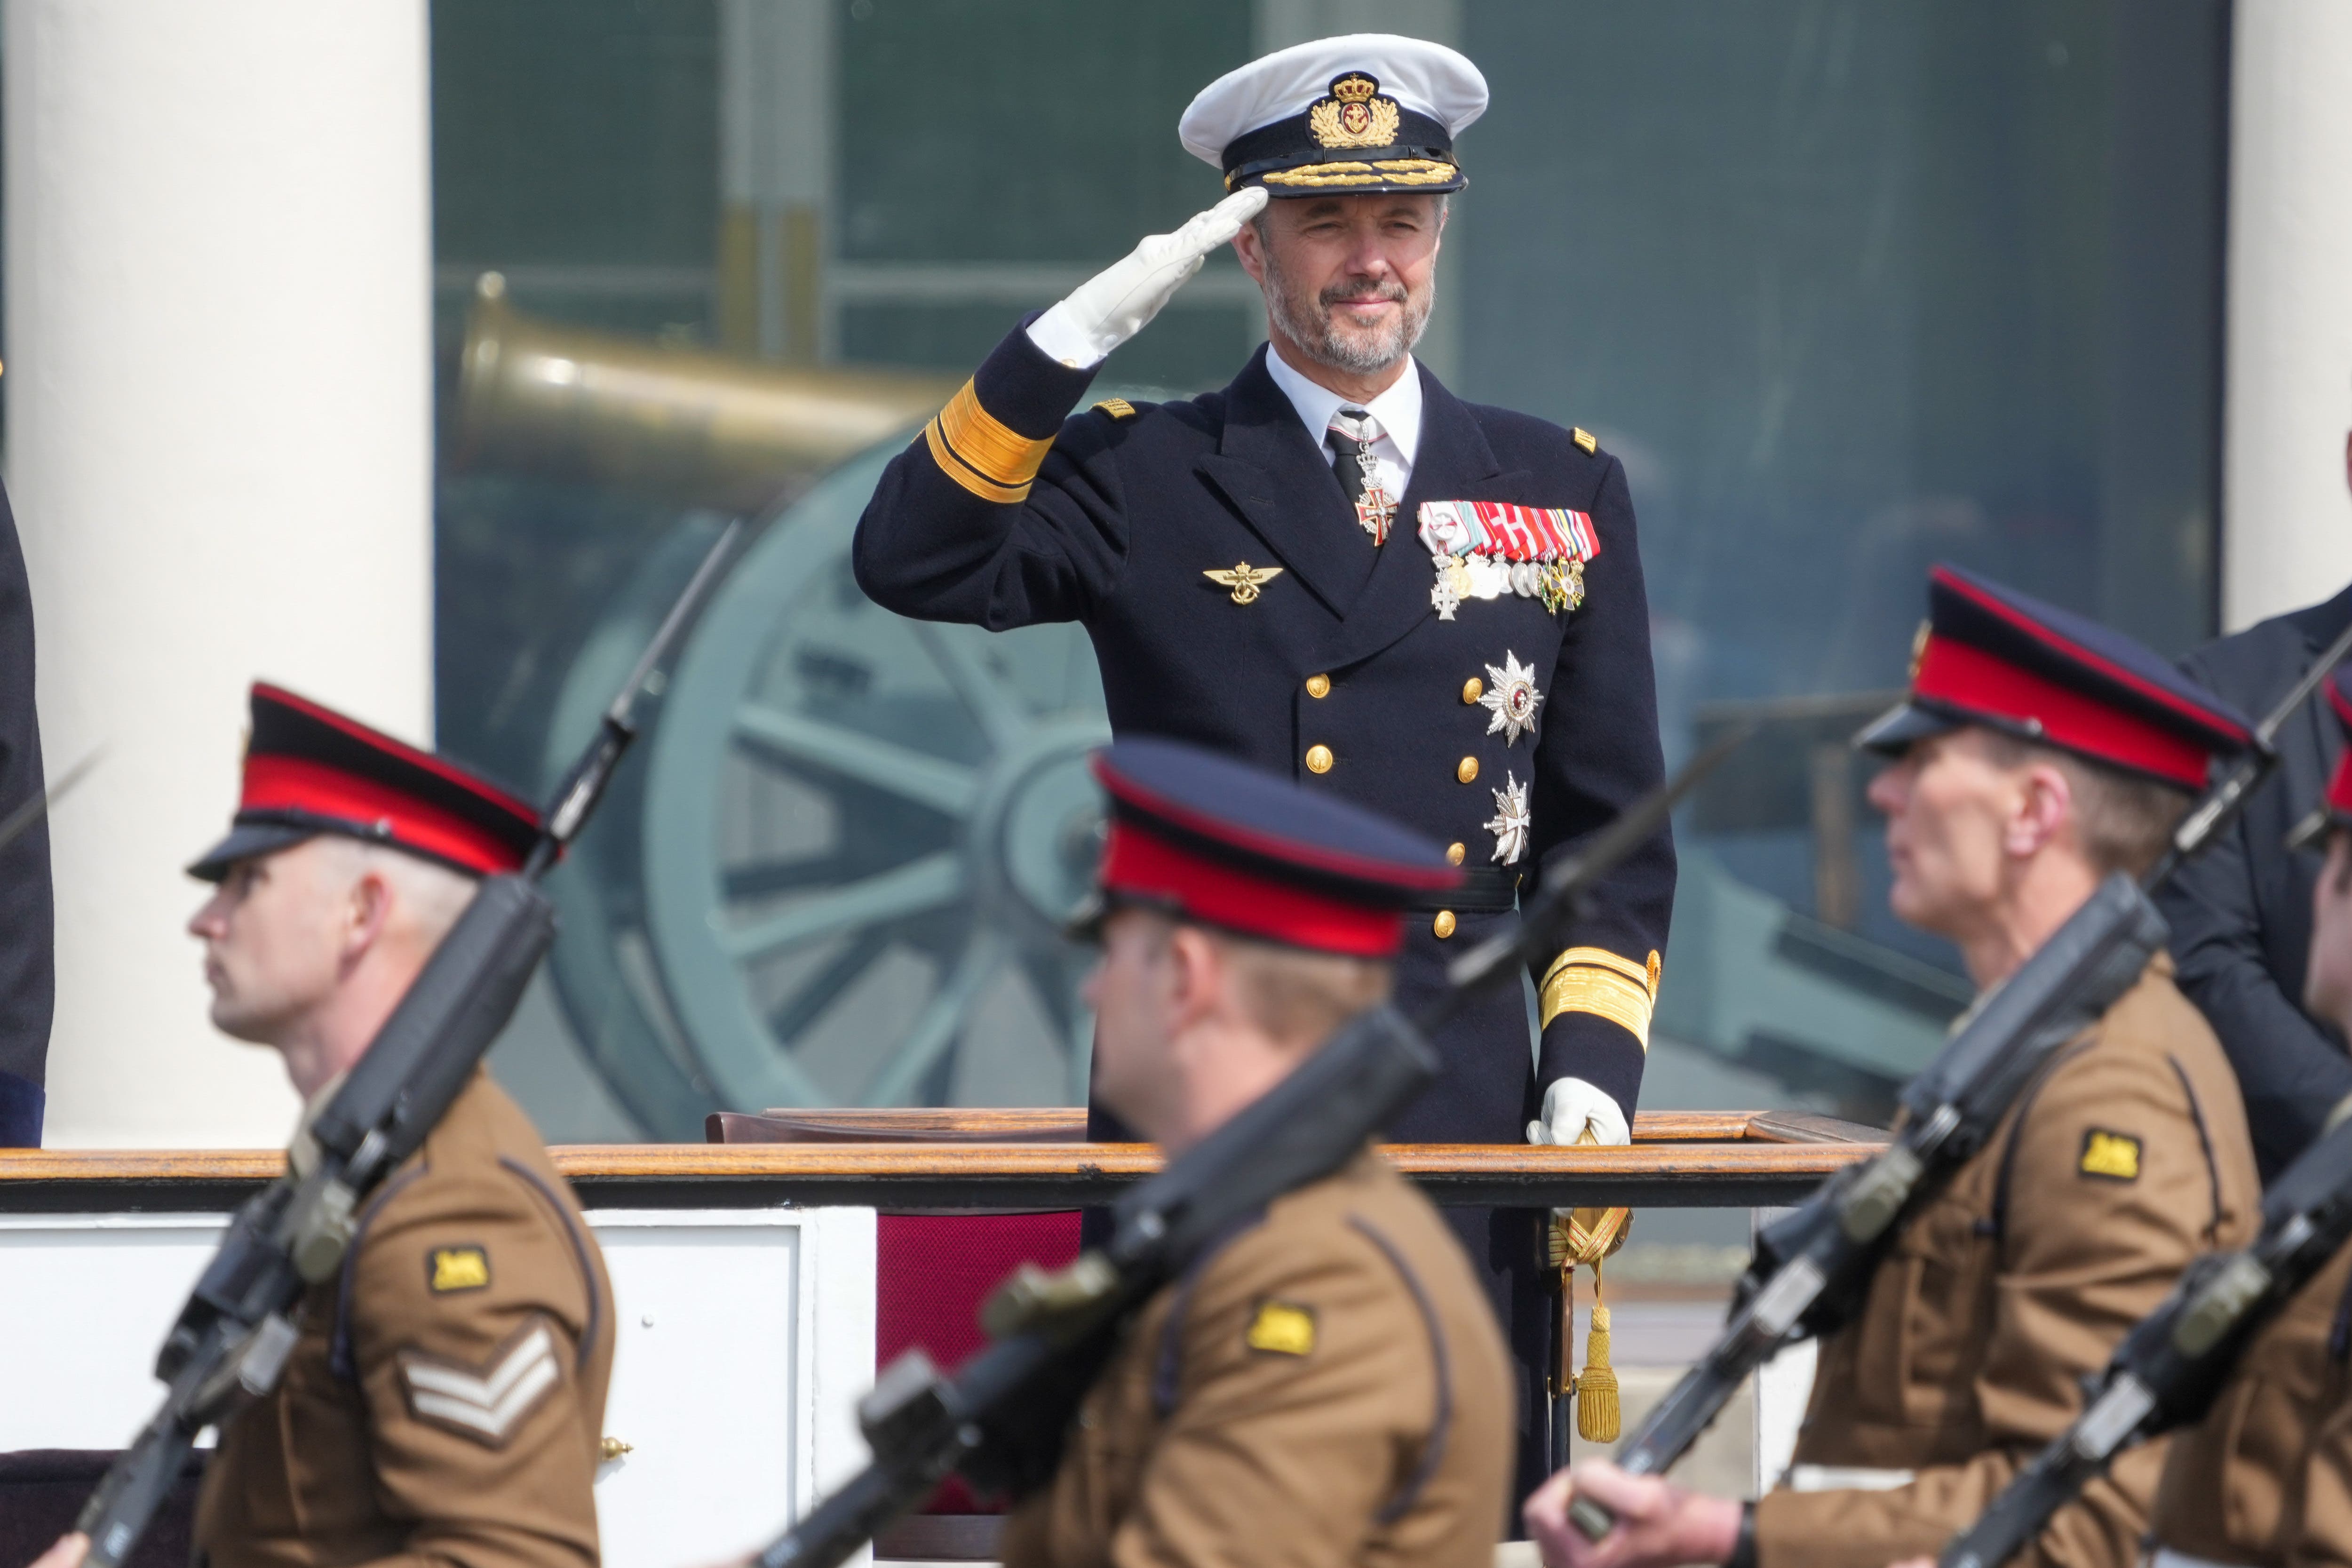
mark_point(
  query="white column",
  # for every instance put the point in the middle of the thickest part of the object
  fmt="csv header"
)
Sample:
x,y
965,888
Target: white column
x,y
2286,534
220,450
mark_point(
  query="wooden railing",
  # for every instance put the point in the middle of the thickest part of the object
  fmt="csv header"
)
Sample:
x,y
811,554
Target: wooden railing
x,y
1677,1159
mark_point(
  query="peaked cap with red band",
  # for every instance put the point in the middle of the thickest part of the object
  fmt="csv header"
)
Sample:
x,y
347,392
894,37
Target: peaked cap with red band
x,y
1991,656
2335,808
1224,844
308,770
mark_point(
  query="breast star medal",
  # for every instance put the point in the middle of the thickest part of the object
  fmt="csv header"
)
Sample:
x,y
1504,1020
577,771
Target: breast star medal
x,y
1510,822
1244,580
1512,698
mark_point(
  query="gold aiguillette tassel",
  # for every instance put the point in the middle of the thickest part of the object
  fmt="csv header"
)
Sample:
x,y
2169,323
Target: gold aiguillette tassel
x,y
1598,1417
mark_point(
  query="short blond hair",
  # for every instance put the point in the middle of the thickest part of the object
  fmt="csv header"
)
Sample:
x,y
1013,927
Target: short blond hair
x,y
1300,997
428,894
2123,821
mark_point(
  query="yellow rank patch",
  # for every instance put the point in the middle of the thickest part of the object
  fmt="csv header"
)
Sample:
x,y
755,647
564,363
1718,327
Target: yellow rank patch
x,y
449,1269
1282,1328
1117,407
1586,439
2114,1155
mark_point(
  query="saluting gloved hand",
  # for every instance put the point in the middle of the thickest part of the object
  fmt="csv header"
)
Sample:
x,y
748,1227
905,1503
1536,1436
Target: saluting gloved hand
x,y
1120,300
1572,1107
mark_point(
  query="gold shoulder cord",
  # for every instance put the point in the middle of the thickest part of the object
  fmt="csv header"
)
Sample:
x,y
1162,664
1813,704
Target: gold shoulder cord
x,y
1585,1236
1597,981
980,452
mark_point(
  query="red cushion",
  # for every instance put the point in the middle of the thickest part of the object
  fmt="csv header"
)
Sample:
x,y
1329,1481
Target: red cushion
x,y
931,1273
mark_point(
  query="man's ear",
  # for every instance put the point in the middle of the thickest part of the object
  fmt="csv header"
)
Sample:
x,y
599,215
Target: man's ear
x,y
2045,808
367,911
1250,246
1199,977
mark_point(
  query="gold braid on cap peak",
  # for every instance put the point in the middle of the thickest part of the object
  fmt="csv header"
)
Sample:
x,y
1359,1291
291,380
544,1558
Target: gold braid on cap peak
x,y
1597,981
980,452
1385,171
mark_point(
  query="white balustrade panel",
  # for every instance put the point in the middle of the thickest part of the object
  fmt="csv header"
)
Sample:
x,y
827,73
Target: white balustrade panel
x,y
744,1339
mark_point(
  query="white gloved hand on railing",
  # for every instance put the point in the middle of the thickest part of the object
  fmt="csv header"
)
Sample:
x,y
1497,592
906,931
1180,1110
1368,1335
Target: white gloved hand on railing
x,y
1120,300
1571,1108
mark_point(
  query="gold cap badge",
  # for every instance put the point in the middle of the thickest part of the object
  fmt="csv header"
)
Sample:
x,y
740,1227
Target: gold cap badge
x,y
1354,115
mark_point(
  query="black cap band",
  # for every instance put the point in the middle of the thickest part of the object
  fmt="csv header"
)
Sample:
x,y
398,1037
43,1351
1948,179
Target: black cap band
x,y
1353,140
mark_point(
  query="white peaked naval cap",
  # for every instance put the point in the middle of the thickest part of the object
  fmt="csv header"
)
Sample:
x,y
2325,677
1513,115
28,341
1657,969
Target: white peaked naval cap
x,y
1363,112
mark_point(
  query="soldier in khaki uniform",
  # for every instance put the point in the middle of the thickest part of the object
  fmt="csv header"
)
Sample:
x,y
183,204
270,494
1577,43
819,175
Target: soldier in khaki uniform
x,y
1328,1386
2266,1479
2036,753
444,1401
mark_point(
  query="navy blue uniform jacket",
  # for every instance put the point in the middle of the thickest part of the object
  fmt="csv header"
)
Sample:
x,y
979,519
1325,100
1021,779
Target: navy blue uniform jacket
x,y
2240,911
1008,511
1125,515
28,969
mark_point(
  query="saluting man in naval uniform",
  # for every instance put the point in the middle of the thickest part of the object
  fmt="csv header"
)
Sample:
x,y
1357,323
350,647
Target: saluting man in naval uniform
x,y
1337,570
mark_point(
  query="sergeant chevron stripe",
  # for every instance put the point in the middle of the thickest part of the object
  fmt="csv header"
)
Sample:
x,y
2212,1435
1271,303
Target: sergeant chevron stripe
x,y
485,1403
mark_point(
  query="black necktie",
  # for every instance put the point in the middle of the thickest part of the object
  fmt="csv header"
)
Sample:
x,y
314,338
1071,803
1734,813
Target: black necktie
x,y
1352,453
1351,433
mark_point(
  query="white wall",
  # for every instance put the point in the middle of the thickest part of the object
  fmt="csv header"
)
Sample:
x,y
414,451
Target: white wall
x,y
744,1339
219,449
2286,531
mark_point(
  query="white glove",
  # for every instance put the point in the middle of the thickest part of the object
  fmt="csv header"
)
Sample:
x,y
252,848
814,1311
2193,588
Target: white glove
x,y
1571,1106
1120,300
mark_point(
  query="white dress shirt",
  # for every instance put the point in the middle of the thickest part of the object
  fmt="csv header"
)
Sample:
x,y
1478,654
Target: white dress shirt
x,y
1398,409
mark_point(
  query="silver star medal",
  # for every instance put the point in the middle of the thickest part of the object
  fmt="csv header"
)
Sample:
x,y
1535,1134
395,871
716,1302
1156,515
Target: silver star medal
x,y
1512,698
1510,822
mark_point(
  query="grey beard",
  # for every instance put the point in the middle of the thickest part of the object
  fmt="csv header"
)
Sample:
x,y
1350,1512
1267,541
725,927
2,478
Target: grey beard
x,y
1358,356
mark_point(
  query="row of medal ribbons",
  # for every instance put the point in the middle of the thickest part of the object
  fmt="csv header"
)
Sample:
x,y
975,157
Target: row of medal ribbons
x,y
1476,528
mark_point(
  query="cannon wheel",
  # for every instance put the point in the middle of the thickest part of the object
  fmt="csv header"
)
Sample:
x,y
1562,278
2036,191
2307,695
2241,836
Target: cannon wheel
x,y
858,836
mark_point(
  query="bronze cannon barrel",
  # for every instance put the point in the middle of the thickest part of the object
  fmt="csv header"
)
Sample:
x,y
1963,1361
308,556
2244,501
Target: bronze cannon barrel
x,y
683,423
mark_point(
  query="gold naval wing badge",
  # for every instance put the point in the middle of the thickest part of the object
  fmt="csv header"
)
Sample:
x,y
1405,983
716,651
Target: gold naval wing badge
x,y
1244,580
1354,115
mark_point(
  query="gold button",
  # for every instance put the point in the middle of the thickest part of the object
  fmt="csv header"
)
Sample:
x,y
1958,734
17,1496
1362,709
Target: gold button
x,y
1468,772
1443,924
1318,759
1318,686
1473,689
1453,853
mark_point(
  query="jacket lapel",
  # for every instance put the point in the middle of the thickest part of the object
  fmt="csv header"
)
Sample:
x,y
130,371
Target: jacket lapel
x,y
1272,473
2321,623
1453,463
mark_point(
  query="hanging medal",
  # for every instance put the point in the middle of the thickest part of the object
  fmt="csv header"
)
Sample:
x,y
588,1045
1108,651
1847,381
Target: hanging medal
x,y
1490,550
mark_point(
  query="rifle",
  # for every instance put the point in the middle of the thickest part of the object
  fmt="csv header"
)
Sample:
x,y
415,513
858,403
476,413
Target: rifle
x,y
1001,1420
14,825
231,1340
2171,1367
1813,1267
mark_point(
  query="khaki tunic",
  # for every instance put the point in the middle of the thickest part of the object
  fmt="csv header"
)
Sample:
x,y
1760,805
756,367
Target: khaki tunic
x,y
2022,1276
444,1402
2266,1478
1327,1387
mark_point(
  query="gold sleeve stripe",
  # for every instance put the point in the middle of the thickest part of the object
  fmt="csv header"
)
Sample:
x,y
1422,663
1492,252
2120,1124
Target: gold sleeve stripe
x,y
979,446
1603,958
956,468
1594,980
